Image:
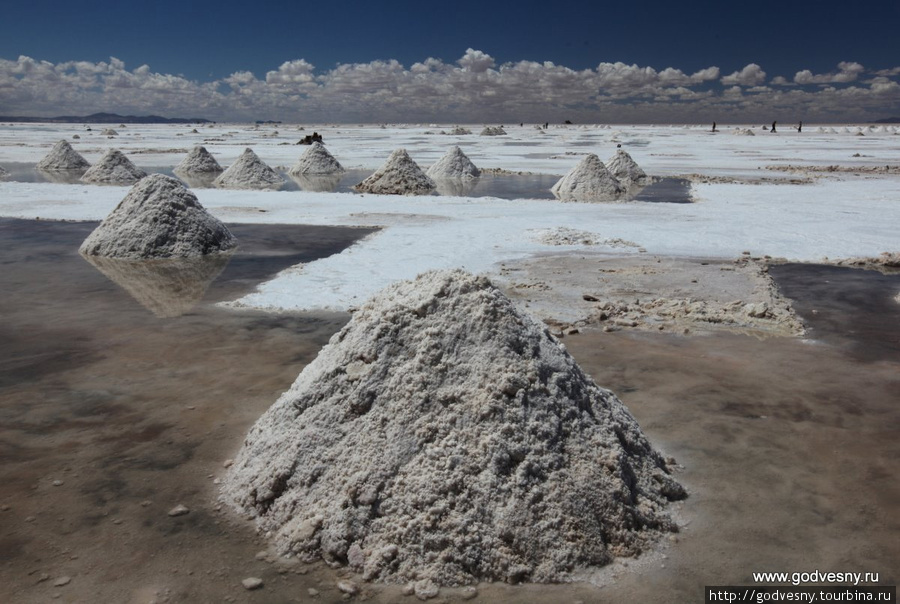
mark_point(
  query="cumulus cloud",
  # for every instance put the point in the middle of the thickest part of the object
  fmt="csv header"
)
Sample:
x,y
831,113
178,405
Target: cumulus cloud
x,y
751,75
474,88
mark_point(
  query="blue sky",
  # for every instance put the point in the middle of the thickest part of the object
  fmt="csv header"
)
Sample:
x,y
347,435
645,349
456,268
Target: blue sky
x,y
829,61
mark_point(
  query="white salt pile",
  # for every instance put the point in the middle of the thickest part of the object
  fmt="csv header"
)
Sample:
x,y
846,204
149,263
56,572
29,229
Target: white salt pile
x,y
460,131
744,132
4,173
316,160
625,169
249,172
493,131
63,158
109,132
399,175
159,218
114,169
198,161
442,435
590,180
454,164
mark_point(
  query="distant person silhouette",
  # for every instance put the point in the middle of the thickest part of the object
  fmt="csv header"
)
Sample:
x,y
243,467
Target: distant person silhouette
x,y
773,126
714,127
800,127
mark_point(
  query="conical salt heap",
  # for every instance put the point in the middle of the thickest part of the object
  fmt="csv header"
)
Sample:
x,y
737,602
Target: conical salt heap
x,y
626,170
590,180
249,172
443,435
113,169
316,160
3,173
159,218
399,175
454,164
198,161
63,158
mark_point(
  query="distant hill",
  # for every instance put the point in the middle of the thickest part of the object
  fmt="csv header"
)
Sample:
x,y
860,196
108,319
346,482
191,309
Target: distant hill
x,y
888,120
107,118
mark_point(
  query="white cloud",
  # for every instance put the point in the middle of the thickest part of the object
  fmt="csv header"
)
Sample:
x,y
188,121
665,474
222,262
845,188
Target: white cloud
x,y
751,75
472,89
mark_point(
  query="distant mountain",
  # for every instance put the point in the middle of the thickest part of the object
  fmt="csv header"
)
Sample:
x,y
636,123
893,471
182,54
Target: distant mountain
x,y
888,120
107,118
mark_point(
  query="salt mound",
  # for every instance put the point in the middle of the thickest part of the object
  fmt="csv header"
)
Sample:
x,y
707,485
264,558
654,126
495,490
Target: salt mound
x,y
114,169
590,180
62,157
399,175
493,131
3,173
198,161
460,131
444,435
454,164
317,160
159,218
109,132
626,170
744,132
249,172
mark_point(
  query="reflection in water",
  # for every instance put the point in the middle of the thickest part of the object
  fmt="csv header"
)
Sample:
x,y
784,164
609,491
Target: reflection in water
x,y
319,183
455,187
198,180
167,288
62,177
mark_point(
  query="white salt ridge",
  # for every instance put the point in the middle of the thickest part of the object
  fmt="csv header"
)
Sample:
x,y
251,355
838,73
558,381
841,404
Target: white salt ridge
x,y
399,175
316,160
453,164
249,172
158,218
114,169
589,181
625,169
198,161
63,158
443,435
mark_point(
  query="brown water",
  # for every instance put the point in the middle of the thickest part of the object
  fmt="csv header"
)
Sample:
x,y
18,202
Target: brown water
x,y
110,416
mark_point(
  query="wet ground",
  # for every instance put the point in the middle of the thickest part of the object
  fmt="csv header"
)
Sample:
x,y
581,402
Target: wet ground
x,y
111,415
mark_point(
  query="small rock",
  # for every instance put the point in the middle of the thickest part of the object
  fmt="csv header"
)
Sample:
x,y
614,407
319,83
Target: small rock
x,y
468,593
313,592
146,503
425,589
62,581
348,587
58,483
227,463
252,583
589,298
179,510
408,589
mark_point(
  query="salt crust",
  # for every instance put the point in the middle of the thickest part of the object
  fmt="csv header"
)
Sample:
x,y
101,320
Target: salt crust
x,y
316,160
62,157
453,164
399,175
198,161
444,435
249,172
590,180
625,169
114,169
158,218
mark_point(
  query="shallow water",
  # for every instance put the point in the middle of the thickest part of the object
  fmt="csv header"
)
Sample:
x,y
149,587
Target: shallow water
x,y
110,416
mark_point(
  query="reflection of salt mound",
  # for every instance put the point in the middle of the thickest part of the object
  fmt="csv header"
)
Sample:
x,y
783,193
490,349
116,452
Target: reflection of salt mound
x,y
454,164
399,175
455,187
114,169
166,287
493,131
321,183
249,172
443,435
62,157
625,169
590,180
317,160
199,161
159,218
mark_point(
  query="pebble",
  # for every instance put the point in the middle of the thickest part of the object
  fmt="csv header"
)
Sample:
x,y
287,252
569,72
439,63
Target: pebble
x,y
58,483
227,463
348,587
62,581
425,589
146,503
469,592
313,592
179,510
252,583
